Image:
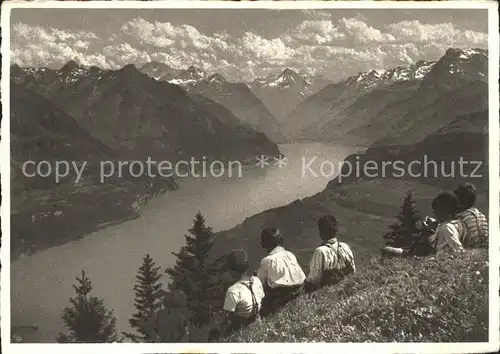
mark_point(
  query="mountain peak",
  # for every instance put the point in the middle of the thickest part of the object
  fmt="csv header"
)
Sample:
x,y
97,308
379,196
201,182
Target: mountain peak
x,y
286,79
187,77
129,70
467,63
95,69
70,66
373,73
158,70
461,53
192,73
364,79
193,69
217,79
129,67
152,65
288,72
71,72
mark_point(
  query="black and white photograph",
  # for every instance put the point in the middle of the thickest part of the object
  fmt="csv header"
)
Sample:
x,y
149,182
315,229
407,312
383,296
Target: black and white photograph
x,y
250,173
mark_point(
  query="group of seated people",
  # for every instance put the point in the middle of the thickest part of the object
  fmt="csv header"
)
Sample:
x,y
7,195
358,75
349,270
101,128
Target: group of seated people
x,y
280,278
457,225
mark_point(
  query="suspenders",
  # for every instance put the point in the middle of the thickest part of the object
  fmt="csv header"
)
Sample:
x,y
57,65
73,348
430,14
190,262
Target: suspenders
x,y
255,305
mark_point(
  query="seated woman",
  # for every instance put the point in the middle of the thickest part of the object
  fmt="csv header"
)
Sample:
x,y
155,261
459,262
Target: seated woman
x,y
244,298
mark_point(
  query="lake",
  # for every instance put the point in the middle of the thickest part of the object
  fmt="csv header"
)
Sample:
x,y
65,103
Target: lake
x,y
41,284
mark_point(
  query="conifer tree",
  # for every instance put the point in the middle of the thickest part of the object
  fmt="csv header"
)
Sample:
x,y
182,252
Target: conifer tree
x,y
149,295
404,232
87,319
191,272
219,281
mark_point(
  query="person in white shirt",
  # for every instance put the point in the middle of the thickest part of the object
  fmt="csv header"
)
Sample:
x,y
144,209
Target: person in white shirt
x,y
450,230
279,272
244,298
331,261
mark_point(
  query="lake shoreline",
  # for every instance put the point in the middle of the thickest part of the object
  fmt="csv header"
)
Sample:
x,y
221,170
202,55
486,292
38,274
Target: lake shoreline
x,y
123,213
119,246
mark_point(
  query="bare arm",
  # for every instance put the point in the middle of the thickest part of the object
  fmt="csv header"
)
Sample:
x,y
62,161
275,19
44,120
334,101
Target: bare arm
x,y
452,238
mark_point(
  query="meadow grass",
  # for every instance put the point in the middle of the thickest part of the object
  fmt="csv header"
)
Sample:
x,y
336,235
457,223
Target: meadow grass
x,y
394,300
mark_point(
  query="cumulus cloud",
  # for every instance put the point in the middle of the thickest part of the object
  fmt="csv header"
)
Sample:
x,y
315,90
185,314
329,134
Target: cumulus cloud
x,y
446,33
38,46
362,33
123,54
317,32
165,34
316,14
265,49
335,48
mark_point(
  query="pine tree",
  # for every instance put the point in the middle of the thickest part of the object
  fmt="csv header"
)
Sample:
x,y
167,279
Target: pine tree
x,y
404,231
149,295
87,319
219,281
191,273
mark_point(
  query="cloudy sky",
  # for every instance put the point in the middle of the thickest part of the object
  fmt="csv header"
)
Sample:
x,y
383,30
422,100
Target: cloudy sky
x,y
243,44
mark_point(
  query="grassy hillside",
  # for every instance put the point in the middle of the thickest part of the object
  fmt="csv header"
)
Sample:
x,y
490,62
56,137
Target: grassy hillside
x,y
403,300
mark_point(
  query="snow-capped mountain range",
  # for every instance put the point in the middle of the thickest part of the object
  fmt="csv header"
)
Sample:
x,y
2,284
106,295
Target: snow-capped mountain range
x,y
296,99
371,78
186,78
286,79
384,105
134,115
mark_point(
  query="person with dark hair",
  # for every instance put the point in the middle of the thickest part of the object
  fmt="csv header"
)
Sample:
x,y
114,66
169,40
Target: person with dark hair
x,y
244,298
279,272
476,223
331,261
449,230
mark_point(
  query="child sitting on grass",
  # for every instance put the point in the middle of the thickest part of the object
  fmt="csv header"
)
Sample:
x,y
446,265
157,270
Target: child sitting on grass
x,y
450,229
443,234
243,299
332,261
476,223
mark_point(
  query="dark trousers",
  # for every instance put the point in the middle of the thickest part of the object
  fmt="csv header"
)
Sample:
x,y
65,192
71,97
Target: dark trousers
x,y
277,297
